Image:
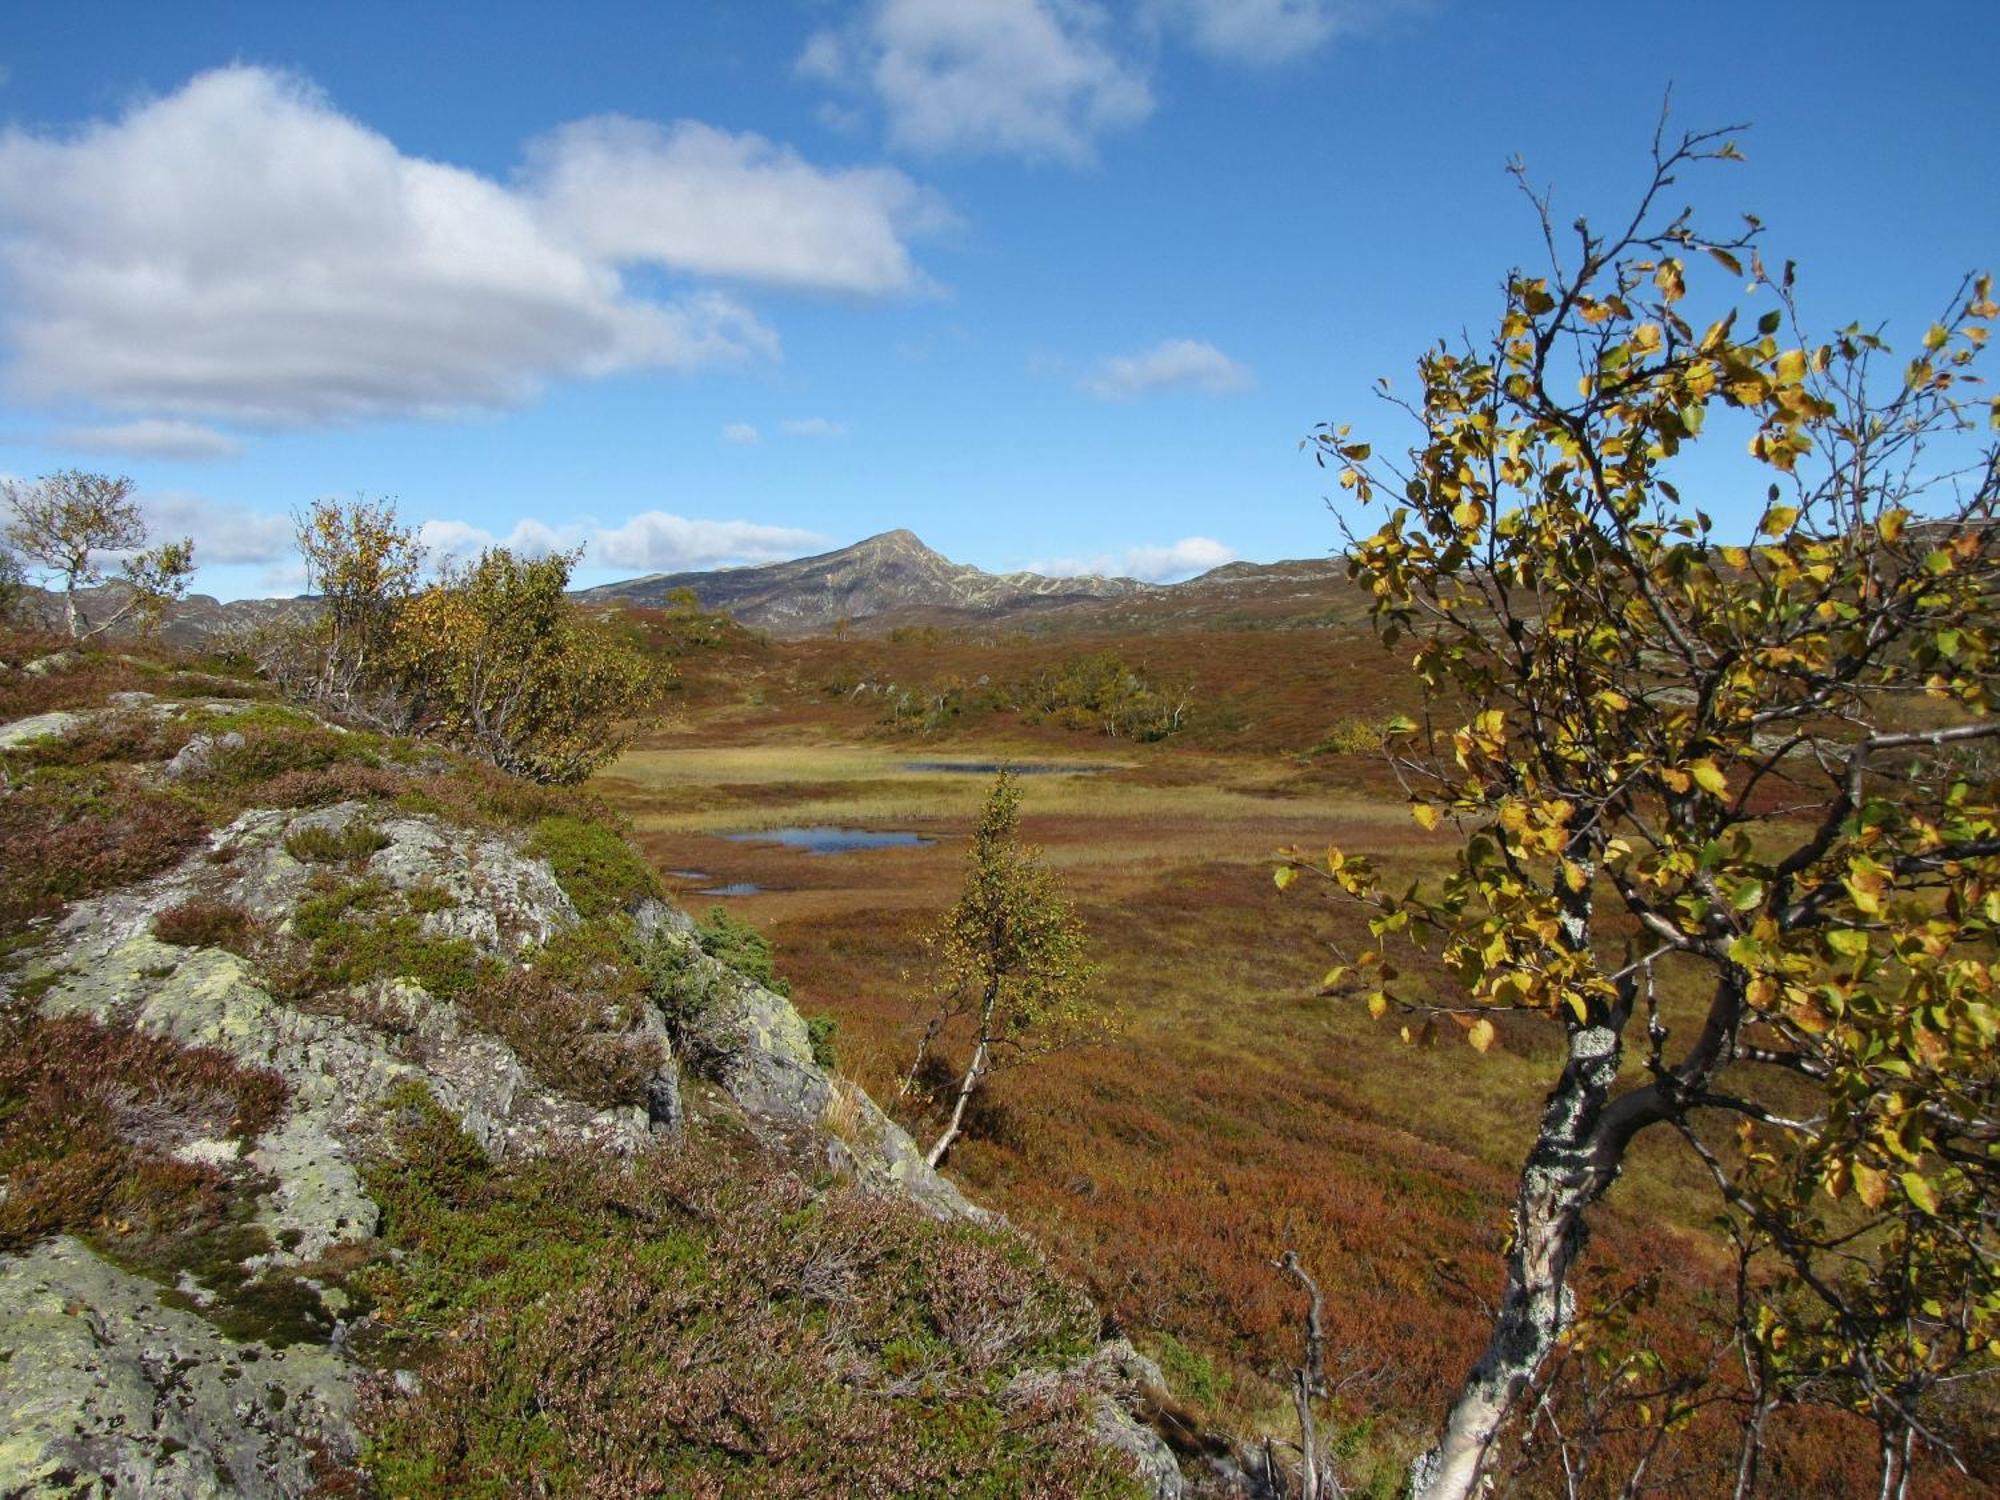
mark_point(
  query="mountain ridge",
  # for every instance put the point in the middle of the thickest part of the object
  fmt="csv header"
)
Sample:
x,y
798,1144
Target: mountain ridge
x,y
890,576
890,571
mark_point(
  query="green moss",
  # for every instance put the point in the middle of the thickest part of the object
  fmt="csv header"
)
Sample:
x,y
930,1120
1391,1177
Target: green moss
x,y
361,931
599,872
741,946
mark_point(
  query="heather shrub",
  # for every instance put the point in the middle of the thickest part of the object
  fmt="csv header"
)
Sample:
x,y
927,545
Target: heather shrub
x,y
207,924
89,1118
349,844
696,1323
321,786
71,832
570,1014
124,735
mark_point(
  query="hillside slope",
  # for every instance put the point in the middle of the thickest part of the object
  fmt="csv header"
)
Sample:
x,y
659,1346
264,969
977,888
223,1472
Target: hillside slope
x,y
369,1122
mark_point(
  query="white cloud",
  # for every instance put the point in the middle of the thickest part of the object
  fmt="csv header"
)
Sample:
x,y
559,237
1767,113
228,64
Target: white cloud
x,y
1184,364
1265,32
1032,78
667,543
701,200
1146,562
740,432
222,533
652,541
152,437
241,251
813,427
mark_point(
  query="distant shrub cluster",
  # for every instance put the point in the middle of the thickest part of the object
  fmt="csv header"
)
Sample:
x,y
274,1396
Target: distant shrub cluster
x,y
491,657
1096,693
1351,736
1101,694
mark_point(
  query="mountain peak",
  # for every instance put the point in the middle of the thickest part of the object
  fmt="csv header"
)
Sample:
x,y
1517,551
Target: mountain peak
x,y
899,540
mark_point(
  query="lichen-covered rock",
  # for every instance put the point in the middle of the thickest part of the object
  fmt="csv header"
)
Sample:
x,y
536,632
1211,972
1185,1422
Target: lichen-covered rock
x,y
1130,1378
105,963
764,1062
197,756
107,1391
40,727
59,661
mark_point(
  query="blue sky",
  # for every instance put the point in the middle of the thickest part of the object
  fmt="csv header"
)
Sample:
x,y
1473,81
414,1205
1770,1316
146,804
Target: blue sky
x,y
1053,283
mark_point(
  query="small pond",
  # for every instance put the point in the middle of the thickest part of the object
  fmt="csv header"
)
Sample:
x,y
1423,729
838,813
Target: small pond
x,y
734,888
995,767
827,839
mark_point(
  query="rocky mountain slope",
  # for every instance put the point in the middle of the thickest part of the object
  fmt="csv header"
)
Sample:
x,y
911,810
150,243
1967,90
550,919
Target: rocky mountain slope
x,y
890,572
369,1124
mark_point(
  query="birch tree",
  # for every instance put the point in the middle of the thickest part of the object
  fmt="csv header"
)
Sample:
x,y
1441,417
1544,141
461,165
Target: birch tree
x,y
1723,795
83,531
1010,979
494,656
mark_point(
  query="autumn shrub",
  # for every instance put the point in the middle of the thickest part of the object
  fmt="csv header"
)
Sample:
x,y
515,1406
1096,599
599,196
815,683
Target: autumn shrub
x,y
90,1116
495,659
207,924
698,1323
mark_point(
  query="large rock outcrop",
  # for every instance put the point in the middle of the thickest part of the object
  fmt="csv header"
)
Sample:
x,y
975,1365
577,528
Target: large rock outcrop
x,y
114,1384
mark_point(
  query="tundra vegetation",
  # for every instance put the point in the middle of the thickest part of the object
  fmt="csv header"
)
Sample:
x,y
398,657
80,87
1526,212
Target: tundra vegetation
x,y
1726,820
720,1314
1242,1115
